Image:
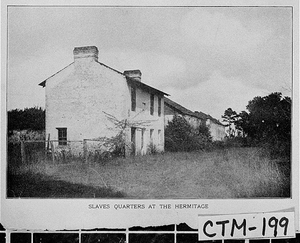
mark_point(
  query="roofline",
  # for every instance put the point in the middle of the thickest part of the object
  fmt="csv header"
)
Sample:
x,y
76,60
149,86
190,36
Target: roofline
x,y
115,70
193,114
43,84
173,107
185,113
130,80
144,86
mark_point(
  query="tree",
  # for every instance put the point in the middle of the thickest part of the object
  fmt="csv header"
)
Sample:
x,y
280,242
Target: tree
x,y
242,123
270,117
27,119
268,121
181,136
230,117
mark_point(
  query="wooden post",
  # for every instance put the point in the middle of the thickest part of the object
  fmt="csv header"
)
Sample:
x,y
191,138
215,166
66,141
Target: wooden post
x,y
47,148
52,152
48,142
23,158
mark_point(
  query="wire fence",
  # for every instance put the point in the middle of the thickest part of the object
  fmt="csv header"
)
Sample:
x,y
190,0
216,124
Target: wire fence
x,y
35,151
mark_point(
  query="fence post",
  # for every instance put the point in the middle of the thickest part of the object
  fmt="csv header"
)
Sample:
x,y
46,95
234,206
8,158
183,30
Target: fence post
x,y
52,152
85,154
48,141
23,158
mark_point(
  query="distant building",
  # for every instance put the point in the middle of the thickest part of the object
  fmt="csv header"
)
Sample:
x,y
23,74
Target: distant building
x,y
81,97
217,129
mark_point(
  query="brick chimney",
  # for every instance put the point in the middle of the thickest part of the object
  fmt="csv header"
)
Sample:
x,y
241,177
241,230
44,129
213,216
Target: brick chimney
x,y
86,53
134,74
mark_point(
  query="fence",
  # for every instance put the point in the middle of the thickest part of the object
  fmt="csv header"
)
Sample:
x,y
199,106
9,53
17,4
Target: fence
x,y
34,151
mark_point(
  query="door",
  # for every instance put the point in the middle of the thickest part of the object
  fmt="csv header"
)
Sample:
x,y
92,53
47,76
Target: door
x,y
133,141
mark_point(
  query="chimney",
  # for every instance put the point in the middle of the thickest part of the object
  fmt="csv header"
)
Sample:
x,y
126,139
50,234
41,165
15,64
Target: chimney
x,y
86,52
134,74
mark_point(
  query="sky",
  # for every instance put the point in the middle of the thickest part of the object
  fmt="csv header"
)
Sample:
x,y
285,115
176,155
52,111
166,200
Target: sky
x,y
207,58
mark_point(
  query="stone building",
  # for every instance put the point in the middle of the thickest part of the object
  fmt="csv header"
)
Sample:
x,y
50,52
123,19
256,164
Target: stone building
x,y
90,101
216,128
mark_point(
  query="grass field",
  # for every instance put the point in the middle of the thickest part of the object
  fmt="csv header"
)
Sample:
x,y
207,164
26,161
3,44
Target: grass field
x,y
228,173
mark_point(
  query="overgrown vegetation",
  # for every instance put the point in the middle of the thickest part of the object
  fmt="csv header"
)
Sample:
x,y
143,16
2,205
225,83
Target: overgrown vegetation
x,y
181,136
118,145
25,135
26,119
253,161
267,124
35,178
43,186
223,173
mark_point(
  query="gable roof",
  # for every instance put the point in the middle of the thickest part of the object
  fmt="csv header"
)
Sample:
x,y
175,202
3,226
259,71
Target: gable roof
x,y
43,83
129,80
215,120
144,86
184,111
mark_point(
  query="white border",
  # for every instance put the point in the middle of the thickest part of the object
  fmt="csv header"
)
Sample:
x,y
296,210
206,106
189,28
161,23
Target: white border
x,y
53,214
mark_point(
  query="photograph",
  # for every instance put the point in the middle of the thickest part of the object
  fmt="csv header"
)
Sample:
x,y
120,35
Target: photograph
x,y
149,102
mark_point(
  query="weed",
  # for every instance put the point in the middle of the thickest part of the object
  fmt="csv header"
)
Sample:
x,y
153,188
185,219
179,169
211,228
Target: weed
x,y
222,173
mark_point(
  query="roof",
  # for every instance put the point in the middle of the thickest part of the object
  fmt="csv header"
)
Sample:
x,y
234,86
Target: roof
x,y
185,111
215,120
179,108
144,86
131,81
43,84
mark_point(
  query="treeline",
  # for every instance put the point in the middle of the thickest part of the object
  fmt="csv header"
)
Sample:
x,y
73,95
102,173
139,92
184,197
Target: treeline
x,y
266,123
26,119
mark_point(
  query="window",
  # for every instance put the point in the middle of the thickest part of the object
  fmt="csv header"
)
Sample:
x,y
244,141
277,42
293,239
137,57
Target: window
x,y
133,98
159,137
151,104
142,138
151,135
62,136
133,131
159,106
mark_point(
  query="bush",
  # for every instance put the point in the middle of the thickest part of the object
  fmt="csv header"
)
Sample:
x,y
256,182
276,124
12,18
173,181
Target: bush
x,y
152,149
181,136
16,136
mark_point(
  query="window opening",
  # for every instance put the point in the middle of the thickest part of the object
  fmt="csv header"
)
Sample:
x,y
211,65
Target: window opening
x,y
133,98
62,136
151,104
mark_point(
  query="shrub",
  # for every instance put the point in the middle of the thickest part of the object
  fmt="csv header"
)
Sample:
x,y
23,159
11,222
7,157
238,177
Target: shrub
x,y
16,136
152,149
181,136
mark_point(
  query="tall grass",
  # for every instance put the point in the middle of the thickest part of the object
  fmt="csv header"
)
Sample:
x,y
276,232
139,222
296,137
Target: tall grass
x,y
41,178
222,173
251,174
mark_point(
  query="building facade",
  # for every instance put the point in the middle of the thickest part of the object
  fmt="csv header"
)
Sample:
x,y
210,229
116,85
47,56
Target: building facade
x,y
195,119
217,129
90,101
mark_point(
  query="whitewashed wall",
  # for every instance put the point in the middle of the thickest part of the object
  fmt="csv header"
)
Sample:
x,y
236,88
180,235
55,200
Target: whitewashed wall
x,y
217,131
78,96
155,122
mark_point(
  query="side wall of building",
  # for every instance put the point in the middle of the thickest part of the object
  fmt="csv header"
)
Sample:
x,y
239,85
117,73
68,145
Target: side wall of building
x,y
217,131
78,98
149,129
